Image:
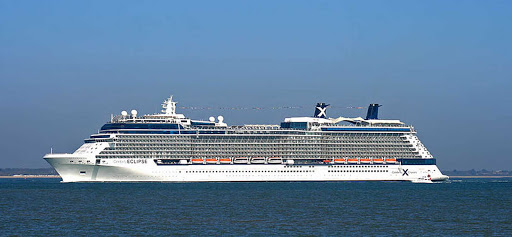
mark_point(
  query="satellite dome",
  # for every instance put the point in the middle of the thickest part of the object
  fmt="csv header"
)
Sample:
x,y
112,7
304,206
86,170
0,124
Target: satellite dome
x,y
124,113
134,112
212,119
220,118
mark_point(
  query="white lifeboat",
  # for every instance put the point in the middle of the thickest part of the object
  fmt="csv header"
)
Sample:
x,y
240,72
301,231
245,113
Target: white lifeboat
x,y
241,160
274,160
258,160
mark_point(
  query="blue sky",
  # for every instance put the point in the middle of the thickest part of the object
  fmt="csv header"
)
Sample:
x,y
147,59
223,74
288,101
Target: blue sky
x,y
443,66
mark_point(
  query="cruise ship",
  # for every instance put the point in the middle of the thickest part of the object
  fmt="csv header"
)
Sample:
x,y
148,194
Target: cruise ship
x,y
169,147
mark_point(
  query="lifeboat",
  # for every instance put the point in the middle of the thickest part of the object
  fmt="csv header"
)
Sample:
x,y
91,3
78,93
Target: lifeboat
x,y
241,160
274,160
391,160
197,161
225,160
327,161
365,160
378,160
211,161
352,161
258,160
339,160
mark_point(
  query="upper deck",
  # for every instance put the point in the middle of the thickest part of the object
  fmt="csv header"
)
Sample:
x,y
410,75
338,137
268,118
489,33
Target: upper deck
x,y
169,122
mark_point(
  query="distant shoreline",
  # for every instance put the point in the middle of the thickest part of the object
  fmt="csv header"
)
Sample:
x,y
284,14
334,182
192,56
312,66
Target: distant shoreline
x,y
30,176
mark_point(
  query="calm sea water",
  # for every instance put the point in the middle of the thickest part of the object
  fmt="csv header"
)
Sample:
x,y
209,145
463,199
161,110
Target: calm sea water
x,y
480,207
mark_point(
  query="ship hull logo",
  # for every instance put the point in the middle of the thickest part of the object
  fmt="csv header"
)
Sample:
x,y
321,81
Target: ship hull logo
x,y
405,172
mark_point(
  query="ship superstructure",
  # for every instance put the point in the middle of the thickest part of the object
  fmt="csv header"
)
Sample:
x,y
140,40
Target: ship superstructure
x,y
171,147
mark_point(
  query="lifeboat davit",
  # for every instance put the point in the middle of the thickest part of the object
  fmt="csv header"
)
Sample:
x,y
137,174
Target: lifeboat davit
x,y
274,160
339,160
225,160
197,161
378,160
391,160
352,161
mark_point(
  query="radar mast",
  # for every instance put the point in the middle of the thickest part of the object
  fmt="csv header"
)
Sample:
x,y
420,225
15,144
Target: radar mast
x,y
169,107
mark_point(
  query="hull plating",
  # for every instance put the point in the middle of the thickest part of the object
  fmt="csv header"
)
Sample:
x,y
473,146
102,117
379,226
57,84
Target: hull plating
x,y
241,172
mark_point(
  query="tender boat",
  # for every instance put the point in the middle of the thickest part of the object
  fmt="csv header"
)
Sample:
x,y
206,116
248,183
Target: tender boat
x,y
275,160
241,160
258,160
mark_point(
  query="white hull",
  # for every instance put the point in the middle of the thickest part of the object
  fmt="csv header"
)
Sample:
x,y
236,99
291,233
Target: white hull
x,y
83,169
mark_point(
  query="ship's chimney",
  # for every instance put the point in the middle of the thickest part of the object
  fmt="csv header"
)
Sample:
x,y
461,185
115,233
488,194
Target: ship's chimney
x,y
373,111
320,110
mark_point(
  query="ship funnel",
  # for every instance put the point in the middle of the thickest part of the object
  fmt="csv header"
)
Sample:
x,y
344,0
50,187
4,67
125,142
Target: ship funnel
x,y
320,110
373,111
